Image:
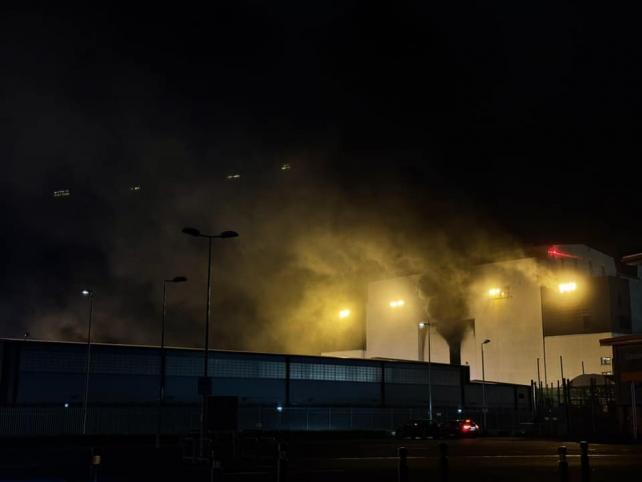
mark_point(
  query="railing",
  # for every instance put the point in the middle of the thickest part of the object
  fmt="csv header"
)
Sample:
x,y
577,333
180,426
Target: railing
x,y
29,421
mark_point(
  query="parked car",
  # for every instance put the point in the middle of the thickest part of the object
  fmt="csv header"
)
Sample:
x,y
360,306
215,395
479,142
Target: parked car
x,y
460,428
419,428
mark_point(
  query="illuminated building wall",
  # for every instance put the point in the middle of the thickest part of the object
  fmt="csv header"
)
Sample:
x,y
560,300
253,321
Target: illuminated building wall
x,y
556,301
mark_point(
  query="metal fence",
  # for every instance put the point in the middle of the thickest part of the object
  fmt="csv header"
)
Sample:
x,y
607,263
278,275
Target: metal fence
x,y
29,421
567,410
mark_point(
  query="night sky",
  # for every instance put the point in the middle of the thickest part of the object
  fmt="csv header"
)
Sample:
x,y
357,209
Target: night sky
x,y
414,132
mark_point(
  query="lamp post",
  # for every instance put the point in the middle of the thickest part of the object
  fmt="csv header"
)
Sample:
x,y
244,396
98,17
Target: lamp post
x,y
161,385
484,408
205,384
421,340
89,294
427,325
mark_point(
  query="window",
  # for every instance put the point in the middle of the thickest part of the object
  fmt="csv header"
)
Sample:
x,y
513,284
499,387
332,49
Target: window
x,y
334,372
605,360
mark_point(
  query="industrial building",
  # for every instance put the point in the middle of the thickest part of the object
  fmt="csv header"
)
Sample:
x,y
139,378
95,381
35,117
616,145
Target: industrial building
x,y
42,386
542,314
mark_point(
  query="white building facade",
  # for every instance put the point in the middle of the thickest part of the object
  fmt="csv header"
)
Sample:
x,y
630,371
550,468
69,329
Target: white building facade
x,y
543,313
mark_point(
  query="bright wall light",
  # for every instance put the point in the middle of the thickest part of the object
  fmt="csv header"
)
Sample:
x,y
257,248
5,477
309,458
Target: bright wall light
x,y
497,293
397,303
567,287
344,313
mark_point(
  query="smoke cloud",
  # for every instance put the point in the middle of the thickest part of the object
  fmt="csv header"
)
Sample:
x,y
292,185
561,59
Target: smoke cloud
x,y
370,192
445,287
310,242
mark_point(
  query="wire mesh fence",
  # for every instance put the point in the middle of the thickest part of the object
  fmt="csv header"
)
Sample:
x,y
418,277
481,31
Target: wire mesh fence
x,y
28,421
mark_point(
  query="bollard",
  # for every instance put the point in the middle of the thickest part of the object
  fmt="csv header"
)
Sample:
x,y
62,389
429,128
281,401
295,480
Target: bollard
x,y
94,464
402,473
443,461
216,471
563,463
216,468
584,461
281,463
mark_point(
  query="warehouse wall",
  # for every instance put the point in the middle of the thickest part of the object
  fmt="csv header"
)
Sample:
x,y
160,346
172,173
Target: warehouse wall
x,y
54,374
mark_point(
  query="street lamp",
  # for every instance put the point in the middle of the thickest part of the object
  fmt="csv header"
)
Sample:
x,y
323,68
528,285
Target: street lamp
x,y
90,295
161,391
484,408
424,325
205,385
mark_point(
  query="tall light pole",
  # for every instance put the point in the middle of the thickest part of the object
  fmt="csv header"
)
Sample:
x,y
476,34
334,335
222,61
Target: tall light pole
x,y
421,340
484,408
427,325
161,385
205,386
89,294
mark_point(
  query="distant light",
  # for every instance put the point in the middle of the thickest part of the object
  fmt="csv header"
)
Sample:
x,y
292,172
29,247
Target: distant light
x,y
61,193
344,313
397,303
421,324
86,292
285,167
497,293
233,177
66,405
279,408
567,287
459,410
134,188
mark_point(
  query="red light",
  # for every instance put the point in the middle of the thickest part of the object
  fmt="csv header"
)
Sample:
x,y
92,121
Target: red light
x,y
465,427
467,420
554,252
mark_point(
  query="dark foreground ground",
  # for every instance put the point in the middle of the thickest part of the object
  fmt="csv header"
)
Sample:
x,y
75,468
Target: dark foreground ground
x,y
327,459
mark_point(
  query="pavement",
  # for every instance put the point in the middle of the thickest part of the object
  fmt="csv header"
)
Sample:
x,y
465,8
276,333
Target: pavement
x,y
484,459
338,460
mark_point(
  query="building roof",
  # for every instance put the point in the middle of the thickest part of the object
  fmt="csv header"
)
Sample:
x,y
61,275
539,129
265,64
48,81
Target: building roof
x,y
32,341
622,340
633,259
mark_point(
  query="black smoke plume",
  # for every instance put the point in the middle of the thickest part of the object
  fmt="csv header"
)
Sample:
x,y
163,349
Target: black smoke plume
x,y
444,287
